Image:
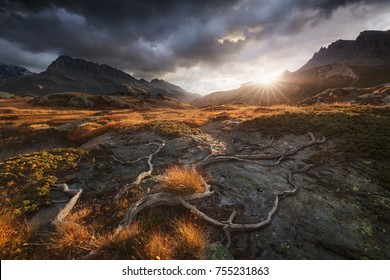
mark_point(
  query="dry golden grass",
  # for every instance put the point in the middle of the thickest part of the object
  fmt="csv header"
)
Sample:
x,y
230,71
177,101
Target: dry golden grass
x,y
80,215
189,241
184,181
71,241
14,235
127,244
183,240
88,131
159,246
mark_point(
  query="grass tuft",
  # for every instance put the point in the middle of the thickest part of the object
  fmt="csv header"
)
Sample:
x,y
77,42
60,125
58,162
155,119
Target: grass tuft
x,y
190,240
183,181
127,244
158,246
14,234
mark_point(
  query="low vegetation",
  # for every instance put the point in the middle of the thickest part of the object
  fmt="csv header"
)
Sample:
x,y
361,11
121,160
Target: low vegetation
x,y
178,239
183,181
25,179
362,131
167,128
15,232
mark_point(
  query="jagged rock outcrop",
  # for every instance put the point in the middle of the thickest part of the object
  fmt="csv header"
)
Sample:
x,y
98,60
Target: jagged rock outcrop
x,y
371,48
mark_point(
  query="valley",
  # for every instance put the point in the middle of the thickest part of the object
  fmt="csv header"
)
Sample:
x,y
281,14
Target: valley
x,y
244,154
97,164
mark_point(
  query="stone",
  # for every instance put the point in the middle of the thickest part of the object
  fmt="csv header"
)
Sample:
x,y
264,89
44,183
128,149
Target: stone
x,y
216,251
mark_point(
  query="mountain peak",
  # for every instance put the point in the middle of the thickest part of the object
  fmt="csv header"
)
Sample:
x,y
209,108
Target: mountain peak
x,y
9,71
68,64
371,48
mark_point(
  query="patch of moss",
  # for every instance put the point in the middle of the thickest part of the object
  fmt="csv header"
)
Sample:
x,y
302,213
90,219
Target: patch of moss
x,y
25,179
168,128
360,131
363,132
366,229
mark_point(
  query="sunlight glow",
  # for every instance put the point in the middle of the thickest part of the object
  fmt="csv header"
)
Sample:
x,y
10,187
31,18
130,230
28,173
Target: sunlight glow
x,y
268,91
269,78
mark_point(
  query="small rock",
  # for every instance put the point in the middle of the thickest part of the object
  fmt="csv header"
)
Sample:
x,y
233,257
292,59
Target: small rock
x,y
216,251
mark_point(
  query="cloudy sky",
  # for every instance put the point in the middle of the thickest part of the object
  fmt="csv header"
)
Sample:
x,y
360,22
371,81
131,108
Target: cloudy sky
x,y
201,45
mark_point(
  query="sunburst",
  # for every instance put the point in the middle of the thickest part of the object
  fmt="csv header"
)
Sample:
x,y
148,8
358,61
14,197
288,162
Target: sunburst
x,y
268,91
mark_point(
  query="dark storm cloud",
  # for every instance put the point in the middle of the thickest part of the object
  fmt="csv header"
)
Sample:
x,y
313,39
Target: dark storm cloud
x,y
154,35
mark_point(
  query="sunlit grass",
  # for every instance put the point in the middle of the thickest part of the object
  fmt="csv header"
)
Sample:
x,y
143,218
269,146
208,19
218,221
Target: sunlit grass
x,y
180,180
71,241
190,240
159,246
14,234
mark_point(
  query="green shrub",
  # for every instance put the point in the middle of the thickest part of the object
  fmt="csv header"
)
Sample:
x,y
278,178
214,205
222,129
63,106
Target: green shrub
x,y
25,179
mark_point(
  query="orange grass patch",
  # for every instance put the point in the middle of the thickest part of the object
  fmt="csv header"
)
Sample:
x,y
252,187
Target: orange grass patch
x,y
14,235
180,180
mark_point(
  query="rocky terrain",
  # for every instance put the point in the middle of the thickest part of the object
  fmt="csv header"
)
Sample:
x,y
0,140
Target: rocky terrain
x,y
279,183
379,95
371,48
99,165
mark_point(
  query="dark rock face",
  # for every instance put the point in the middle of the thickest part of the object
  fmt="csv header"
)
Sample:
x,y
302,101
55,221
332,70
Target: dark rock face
x,y
9,71
371,48
67,64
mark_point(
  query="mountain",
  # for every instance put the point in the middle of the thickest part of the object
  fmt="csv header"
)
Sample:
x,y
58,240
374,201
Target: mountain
x,y
9,71
173,89
67,74
371,48
317,79
248,93
360,63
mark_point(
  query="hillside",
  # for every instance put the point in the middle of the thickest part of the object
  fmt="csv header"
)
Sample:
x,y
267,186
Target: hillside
x,y
371,48
360,64
66,74
293,88
9,71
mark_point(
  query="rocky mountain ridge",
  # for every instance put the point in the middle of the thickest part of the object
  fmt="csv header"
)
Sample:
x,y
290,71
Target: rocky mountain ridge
x,y
9,71
360,63
67,74
371,48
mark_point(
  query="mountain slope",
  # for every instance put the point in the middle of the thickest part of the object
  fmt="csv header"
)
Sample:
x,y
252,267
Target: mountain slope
x,y
176,91
292,88
371,48
361,63
249,93
66,74
9,71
